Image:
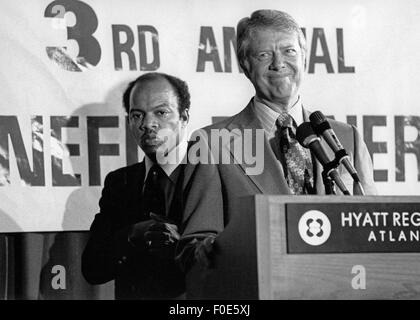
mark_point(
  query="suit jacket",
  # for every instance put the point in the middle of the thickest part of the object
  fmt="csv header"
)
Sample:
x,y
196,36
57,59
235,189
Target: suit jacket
x,y
108,255
213,191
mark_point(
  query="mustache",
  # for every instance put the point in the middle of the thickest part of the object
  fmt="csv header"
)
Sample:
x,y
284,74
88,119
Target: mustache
x,y
149,133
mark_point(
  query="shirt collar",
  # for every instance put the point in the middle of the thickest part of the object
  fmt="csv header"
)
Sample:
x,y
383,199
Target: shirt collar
x,y
268,117
172,160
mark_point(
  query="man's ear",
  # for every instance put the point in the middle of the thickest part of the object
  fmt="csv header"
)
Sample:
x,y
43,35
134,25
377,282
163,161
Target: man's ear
x,y
245,67
185,116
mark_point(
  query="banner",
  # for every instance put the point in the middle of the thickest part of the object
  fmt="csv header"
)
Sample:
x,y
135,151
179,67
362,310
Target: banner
x,y
65,64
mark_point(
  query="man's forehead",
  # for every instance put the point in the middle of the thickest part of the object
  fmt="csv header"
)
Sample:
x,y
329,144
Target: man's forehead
x,y
158,88
269,39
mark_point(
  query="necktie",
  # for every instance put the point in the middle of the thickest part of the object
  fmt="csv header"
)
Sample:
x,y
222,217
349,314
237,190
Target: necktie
x,y
154,197
298,171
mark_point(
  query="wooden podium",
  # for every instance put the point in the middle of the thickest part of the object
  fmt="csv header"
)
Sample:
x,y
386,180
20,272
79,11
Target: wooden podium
x,y
370,250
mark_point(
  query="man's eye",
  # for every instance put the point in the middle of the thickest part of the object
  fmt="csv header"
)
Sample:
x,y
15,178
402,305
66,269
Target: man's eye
x,y
162,113
136,116
264,55
291,51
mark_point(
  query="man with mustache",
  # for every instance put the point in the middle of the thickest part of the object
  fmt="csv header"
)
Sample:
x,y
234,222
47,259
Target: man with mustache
x,y
134,235
271,50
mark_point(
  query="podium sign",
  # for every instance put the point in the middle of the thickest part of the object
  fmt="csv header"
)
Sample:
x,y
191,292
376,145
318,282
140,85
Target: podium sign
x,y
352,227
317,247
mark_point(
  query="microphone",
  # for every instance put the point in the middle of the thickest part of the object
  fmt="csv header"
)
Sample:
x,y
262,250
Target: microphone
x,y
322,127
308,139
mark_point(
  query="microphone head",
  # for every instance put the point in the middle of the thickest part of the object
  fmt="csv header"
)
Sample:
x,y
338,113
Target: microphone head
x,y
305,134
319,122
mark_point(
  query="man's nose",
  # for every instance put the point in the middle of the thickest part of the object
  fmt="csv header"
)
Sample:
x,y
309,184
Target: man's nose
x,y
278,62
149,122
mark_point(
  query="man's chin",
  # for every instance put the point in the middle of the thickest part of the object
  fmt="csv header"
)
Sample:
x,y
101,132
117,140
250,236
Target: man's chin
x,y
156,151
150,149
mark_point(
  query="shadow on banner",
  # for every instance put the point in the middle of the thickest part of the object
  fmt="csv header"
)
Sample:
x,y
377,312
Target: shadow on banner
x,y
47,265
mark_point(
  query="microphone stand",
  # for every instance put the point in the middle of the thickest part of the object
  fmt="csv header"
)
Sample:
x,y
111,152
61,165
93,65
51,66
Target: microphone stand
x,y
328,183
339,156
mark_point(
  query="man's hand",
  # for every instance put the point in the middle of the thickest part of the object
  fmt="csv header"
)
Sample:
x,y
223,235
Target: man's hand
x,y
158,234
137,231
204,252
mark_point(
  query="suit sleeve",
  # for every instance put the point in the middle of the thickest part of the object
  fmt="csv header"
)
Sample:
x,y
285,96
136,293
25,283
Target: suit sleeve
x,y
203,214
108,247
363,164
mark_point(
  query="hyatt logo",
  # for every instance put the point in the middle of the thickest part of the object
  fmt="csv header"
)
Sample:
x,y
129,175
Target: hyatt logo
x,y
314,227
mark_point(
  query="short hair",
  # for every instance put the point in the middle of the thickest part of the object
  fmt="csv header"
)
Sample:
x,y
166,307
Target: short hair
x,y
180,87
265,19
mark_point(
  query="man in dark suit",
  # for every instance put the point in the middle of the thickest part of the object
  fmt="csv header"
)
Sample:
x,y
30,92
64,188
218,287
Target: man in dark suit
x,y
133,237
272,53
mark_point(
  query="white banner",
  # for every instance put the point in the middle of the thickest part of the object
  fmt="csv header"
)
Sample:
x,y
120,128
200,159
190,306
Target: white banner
x,y
65,64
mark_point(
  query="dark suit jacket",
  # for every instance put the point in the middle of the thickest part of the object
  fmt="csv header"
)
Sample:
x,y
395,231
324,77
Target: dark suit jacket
x,y
213,192
108,255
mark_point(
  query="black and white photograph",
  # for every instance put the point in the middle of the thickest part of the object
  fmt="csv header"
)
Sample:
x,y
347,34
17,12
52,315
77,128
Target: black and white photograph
x,y
209,150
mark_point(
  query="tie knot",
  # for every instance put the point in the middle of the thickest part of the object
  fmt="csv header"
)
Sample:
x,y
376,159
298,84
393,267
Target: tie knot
x,y
285,120
155,169
156,175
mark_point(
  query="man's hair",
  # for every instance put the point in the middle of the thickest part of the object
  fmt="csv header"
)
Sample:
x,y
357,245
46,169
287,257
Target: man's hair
x,y
265,19
180,87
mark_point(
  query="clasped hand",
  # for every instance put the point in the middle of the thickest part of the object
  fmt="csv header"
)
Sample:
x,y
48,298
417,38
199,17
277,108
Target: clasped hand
x,y
159,234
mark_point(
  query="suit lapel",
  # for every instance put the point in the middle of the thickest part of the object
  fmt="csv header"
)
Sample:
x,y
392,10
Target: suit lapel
x,y
271,180
134,181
